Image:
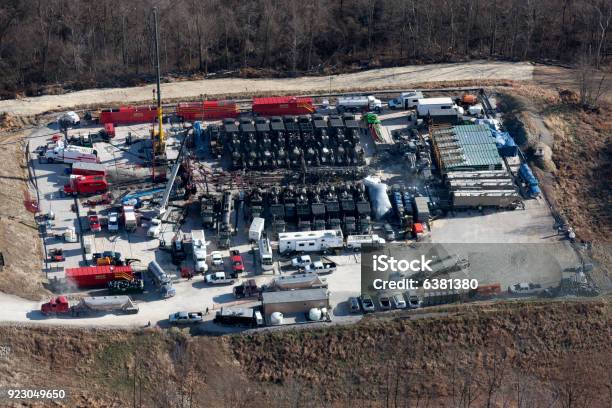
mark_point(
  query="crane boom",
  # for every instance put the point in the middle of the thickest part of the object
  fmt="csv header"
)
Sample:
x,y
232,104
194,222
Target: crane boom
x,y
159,142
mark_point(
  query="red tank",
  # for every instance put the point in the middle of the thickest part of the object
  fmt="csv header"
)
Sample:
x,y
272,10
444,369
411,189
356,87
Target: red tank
x,y
207,110
283,105
129,114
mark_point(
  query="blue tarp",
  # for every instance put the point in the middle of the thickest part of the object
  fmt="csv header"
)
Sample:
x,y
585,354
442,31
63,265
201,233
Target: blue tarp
x,y
505,143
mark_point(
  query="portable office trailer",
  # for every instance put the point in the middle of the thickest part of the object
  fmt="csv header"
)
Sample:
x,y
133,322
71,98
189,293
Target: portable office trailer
x,y
161,279
310,241
437,107
295,301
489,198
487,184
256,228
356,241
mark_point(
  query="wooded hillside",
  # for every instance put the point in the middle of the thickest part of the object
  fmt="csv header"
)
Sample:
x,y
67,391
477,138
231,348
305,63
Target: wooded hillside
x,y
103,42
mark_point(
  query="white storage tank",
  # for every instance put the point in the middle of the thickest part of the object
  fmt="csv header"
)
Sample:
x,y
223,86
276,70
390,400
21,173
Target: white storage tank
x,y
276,318
314,314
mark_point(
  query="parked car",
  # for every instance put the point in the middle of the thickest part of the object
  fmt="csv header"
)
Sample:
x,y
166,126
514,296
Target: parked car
x,y
399,302
237,264
185,317
218,278
414,301
385,302
94,221
367,304
154,228
113,221
389,233
354,305
216,259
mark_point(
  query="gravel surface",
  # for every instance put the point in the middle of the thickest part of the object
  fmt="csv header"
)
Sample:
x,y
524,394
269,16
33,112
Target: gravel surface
x,y
400,77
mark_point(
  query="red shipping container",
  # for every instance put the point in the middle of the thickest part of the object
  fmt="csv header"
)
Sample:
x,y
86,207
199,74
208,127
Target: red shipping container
x,y
129,114
207,110
283,105
98,276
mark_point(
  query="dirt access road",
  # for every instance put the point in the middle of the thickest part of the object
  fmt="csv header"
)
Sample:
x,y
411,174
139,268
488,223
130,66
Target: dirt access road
x,y
377,78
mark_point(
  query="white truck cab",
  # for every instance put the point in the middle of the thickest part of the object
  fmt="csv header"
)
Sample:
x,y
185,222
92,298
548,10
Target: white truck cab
x,y
406,100
301,261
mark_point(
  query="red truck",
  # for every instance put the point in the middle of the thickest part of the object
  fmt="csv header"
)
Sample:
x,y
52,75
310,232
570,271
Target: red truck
x,y
237,264
283,105
84,185
98,276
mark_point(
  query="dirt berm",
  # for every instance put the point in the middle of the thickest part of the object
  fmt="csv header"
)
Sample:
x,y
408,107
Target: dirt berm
x,y
545,354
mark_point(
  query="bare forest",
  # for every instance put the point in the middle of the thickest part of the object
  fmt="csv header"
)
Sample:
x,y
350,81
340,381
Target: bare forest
x,y
93,43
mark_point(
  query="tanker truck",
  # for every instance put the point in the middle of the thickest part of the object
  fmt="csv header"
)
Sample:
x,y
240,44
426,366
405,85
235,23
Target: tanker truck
x,y
90,305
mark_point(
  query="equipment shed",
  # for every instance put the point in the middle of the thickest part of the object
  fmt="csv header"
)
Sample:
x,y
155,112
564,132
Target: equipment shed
x,y
294,301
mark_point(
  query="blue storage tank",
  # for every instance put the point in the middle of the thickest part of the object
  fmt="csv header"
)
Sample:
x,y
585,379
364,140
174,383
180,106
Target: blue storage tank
x,y
397,201
527,175
534,190
198,135
407,197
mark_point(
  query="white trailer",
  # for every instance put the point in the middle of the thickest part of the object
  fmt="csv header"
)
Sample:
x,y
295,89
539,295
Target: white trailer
x,y
355,242
310,241
438,107
265,254
406,100
106,304
71,154
198,242
256,229
358,103
129,218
